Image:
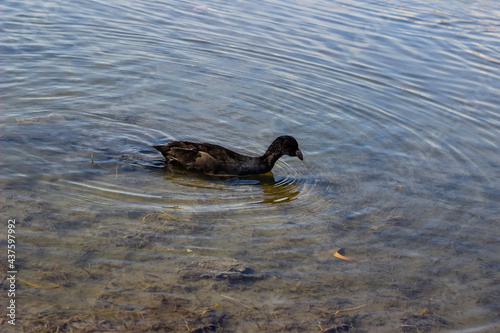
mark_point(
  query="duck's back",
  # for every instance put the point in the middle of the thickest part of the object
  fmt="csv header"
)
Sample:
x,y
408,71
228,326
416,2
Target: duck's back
x,y
207,158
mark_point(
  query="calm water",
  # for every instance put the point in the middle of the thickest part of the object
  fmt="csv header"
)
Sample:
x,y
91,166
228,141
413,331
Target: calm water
x,y
394,105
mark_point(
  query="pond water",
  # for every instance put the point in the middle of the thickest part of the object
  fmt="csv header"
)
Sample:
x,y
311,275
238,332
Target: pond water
x,y
395,108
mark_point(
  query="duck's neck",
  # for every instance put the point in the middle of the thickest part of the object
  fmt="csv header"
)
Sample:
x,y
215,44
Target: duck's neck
x,y
270,158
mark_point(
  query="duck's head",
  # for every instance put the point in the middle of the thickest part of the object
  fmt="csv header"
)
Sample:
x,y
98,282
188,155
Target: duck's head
x,y
286,145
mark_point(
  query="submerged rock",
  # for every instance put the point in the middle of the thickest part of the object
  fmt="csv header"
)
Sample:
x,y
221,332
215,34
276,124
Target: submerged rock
x,y
219,269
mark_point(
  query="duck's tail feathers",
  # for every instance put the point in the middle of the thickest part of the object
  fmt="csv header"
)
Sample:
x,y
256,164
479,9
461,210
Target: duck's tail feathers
x,y
162,148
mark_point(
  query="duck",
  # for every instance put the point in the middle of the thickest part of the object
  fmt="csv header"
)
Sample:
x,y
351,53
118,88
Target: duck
x,y
213,159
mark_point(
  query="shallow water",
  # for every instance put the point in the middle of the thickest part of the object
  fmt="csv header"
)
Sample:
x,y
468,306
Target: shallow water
x,y
394,106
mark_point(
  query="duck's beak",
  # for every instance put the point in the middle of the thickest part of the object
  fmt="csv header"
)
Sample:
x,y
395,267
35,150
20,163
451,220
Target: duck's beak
x,y
299,154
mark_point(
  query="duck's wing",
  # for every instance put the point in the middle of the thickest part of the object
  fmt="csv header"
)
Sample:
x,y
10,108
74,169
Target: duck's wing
x,y
192,159
182,155
203,157
165,149
217,152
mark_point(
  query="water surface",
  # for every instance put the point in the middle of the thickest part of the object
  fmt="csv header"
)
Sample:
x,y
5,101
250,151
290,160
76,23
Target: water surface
x,y
394,106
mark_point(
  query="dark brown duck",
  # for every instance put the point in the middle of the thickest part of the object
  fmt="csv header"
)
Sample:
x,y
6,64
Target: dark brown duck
x,y
214,159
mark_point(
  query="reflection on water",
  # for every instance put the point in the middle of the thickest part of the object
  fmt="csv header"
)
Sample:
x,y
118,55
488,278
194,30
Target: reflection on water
x,y
394,105
265,188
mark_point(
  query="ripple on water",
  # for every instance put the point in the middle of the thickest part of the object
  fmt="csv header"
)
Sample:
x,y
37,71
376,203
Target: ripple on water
x,y
394,106
287,189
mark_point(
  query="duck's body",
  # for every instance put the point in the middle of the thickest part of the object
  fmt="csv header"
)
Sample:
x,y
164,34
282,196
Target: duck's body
x,y
214,159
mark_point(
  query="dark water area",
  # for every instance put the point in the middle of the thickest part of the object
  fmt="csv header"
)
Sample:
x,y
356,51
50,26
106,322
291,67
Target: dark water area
x,y
395,108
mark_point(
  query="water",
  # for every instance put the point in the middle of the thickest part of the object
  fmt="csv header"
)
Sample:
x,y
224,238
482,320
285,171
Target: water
x,y
394,106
